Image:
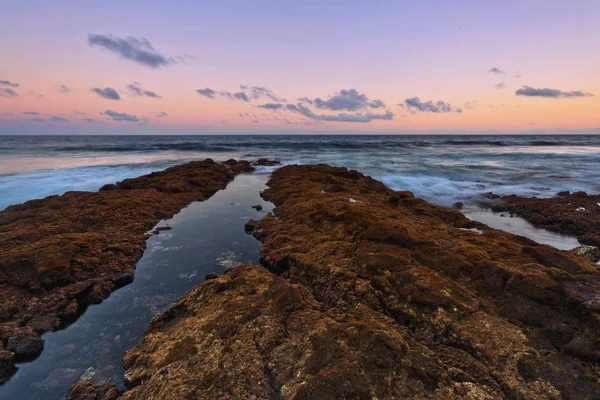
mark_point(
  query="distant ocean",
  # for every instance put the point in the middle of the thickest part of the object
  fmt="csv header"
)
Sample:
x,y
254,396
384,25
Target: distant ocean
x,y
441,169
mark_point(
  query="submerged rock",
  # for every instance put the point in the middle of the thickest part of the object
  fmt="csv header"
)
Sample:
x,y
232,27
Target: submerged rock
x,y
61,253
379,299
257,207
592,253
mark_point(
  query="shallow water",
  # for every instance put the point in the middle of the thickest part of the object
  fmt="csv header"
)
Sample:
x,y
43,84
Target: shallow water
x,y
519,226
206,237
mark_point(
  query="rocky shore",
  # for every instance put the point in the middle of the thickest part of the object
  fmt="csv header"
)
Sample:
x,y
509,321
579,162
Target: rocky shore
x,y
62,253
576,214
371,293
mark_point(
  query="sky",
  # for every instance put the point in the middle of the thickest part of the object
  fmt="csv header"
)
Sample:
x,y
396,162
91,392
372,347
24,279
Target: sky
x,y
200,67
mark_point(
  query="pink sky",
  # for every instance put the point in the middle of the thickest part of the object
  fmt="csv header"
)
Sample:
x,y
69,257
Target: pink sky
x,y
391,51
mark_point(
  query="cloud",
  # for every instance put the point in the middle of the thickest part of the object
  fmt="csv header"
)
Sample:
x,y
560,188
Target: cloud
x,y
342,117
37,119
58,119
78,113
115,116
63,89
518,74
237,95
9,84
500,85
257,92
495,70
415,104
107,93
130,48
470,104
30,113
552,93
137,90
90,120
211,94
8,92
161,114
271,106
346,99
376,104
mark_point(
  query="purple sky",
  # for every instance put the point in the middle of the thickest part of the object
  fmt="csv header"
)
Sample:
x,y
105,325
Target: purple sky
x,y
319,66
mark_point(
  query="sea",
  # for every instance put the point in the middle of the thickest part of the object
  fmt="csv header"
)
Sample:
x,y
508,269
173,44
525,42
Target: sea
x,y
208,236
442,169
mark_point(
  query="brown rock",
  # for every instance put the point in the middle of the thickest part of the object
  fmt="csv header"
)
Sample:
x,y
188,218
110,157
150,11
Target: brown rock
x,y
88,389
61,253
377,299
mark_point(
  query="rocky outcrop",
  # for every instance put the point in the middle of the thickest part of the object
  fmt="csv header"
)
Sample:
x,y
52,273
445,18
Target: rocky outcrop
x,y
87,389
576,214
377,294
61,253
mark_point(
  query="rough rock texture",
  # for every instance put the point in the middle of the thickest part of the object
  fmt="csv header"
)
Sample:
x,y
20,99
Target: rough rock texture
x,y
87,389
377,295
61,253
576,214
591,253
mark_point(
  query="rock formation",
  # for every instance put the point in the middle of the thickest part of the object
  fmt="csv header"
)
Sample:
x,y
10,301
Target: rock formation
x,y
61,253
376,294
576,214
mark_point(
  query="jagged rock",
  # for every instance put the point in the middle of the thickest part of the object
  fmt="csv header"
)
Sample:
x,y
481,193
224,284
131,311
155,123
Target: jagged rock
x,y
61,253
377,299
591,253
87,389
576,214
211,275
257,207
266,162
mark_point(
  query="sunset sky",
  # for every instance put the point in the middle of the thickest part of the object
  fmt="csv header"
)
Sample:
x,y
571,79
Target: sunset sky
x,y
200,67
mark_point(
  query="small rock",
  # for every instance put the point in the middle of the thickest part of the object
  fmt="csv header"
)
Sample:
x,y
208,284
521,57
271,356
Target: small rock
x,y
211,275
458,205
160,229
88,373
25,343
257,207
592,253
250,226
266,162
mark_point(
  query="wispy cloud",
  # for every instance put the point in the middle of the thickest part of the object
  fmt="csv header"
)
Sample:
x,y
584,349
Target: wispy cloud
x,y
8,92
116,116
9,84
63,89
37,119
136,90
341,117
139,51
414,105
59,119
271,106
107,93
211,94
495,70
161,114
346,99
500,85
90,120
30,113
551,93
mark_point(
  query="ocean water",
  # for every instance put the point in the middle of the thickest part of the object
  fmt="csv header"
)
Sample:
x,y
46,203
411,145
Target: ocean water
x,y
441,169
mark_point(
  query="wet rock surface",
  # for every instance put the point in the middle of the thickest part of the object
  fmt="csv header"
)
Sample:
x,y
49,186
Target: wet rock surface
x,y
576,214
87,389
382,297
62,253
591,253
